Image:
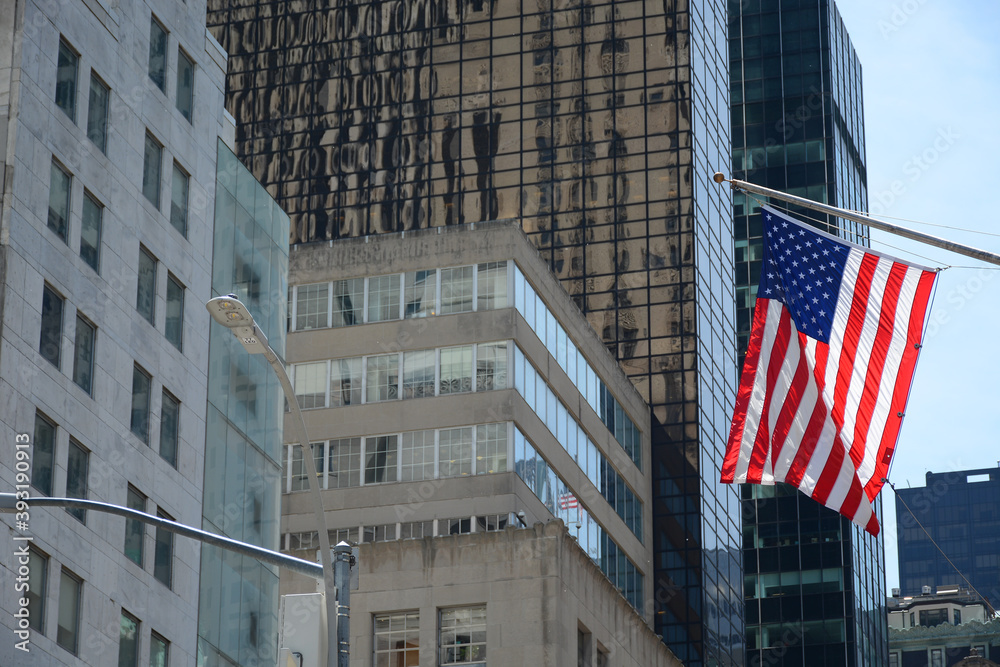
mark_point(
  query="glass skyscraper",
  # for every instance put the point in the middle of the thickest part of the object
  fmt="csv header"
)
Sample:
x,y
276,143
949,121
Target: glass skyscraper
x,y
238,607
593,123
814,583
960,511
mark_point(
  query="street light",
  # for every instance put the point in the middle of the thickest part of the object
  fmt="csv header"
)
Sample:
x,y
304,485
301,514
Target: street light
x,y
230,312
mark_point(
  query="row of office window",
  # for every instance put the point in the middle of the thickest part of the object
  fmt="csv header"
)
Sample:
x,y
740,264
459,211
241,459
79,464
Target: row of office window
x,y
159,39
84,350
407,530
553,491
530,384
401,375
479,287
461,637
410,456
461,289
575,365
43,465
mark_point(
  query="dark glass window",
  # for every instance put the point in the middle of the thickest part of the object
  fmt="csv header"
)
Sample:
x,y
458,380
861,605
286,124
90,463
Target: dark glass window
x,y
77,469
134,531
60,184
38,579
159,650
163,556
175,312
50,341
67,65
90,231
158,54
83,354
179,199
185,85
145,297
169,427
151,164
70,595
43,455
97,114
139,422
128,641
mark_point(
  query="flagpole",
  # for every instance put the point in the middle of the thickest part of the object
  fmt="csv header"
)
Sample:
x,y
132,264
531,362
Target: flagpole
x,y
968,251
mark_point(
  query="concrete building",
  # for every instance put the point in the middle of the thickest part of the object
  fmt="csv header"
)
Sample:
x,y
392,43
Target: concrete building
x,y
814,581
960,511
111,124
452,388
946,627
592,123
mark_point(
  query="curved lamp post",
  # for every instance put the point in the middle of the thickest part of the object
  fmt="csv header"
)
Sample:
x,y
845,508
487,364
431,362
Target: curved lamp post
x,y
230,312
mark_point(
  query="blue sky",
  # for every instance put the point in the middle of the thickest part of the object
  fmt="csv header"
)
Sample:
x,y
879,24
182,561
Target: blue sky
x,y
932,101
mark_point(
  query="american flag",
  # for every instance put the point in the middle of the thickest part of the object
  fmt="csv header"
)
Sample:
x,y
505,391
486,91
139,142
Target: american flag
x,y
568,501
834,341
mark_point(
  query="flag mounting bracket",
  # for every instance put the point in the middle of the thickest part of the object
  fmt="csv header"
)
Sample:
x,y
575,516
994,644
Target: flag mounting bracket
x,y
913,235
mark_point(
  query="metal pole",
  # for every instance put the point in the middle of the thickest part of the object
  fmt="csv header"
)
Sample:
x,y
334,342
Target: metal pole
x,y
8,503
944,244
342,572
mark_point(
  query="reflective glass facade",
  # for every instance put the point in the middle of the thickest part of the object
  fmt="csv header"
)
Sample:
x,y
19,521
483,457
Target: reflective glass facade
x,y
237,616
814,583
960,511
593,123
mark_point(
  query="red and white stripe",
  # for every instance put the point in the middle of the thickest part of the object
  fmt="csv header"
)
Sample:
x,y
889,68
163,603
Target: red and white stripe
x,y
825,417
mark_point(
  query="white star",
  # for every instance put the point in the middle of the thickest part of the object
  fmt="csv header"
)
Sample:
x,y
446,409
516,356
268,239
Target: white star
x,y
814,320
809,288
815,300
812,271
826,295
822,313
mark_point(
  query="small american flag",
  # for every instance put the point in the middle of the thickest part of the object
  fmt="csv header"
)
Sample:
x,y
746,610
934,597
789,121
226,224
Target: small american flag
x,y
568,501
834,342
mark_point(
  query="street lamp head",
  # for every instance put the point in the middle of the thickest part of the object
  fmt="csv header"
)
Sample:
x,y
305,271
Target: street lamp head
x,y
230,312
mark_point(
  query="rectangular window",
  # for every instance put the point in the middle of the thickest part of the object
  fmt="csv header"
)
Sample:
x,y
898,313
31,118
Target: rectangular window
x,y
179,185
43,454
418,373
145,292
383,298
77,470
348,302
174,329
70,595
60,184
491,366
50,341
311,306
158,54
491,448
345,382
38,579
417,456
383,378
415,530
456,370
159,650
163,554
492,286
134,530
381,456
397,638
345,463
170,417
128,641
419,294
139,421
454,526
455,452
67,64
185,85
97,112
90,231
310,385
299,481
380,533
456,290
937,656
463,636
152,163
83,354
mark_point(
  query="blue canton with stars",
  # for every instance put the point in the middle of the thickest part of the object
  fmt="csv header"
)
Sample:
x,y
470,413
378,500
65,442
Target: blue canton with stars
x,y
803,269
